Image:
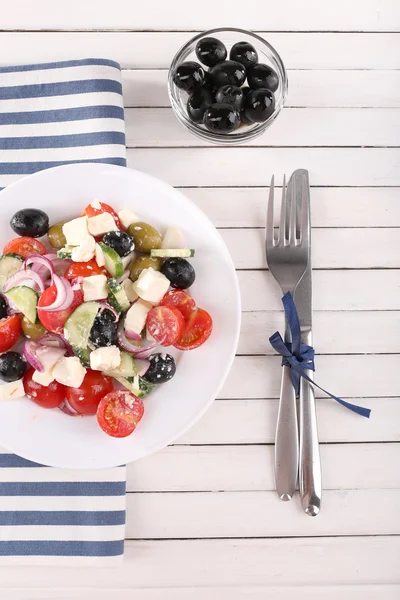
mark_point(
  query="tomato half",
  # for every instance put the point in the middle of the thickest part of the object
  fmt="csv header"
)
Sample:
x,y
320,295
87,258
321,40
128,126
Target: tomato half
x,y
165,324
10,330
181,300
86,398
197,331
119,412
54,321
84,269
24,246
105,208
48,397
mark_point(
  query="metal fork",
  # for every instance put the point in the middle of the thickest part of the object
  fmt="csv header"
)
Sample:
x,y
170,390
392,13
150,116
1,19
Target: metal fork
x,y
287,258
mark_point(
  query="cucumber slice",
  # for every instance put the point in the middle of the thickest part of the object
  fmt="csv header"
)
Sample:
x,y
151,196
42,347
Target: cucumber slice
x,y
127,367
9,265
77,329
136,385
113,261
65,253
25,299
117,296
172,253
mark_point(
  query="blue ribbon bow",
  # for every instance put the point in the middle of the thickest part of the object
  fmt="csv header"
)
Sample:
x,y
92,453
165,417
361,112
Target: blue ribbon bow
x,y
300,357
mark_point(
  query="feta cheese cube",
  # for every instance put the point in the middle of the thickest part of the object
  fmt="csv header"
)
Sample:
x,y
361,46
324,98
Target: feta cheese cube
x,y
12,390
101,224
96,205
43,378
126,260
151,285
76,231
99,256
135,318
69,371
95,288
85,251
105,359
49,356
127,286
173,238
127,217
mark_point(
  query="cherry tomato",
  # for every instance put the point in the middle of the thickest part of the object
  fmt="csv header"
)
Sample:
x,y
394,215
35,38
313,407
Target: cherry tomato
x,y
119,412
24,246
165,324
181,300
86,398
10,330
54,321
48,397
105,208
197,330
84,269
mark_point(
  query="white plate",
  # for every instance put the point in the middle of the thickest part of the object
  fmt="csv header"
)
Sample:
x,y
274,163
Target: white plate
x,y
52,438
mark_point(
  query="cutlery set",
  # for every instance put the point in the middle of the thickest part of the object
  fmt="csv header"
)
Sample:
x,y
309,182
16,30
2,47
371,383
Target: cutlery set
x,y
288,253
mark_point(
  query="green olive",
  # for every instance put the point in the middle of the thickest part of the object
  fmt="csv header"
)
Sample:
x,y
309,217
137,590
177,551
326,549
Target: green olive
x,y
32,330
144,262
146,238
56,236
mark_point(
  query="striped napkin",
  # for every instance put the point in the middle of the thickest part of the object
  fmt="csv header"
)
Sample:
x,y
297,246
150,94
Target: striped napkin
x,y
53,114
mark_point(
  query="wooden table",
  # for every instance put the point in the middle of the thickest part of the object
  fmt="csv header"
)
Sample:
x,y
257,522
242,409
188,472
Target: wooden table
x,y
204,521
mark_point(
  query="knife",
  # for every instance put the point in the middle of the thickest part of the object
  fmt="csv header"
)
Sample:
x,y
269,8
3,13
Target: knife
x,y
310,482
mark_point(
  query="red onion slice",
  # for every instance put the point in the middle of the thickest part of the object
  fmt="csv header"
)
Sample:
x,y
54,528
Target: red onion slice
x,y
132,335
23,277
37,261
37,355
58,341
66,408
65,295
142,366
145,352
140,352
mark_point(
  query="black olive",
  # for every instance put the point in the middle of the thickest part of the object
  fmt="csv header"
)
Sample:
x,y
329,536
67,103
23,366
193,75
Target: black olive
x,y
104,330
120,241
3,308
228,72
221,118
260,104
12,366
245,121
230,94
262,76
30,222
188,76
162,368
179,271
198,103
244,53
210,51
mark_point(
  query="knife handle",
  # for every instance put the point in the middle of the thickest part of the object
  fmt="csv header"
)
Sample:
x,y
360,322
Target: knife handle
x,y
286,440
310,482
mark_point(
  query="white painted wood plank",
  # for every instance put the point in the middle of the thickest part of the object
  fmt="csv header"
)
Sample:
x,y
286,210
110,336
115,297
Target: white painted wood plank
x,y
306,88
376,15
156,50
153,127
254,421
251,468
242,564
330,207
338,332
344,376
354,592
359,290
332,248
255,166
260,514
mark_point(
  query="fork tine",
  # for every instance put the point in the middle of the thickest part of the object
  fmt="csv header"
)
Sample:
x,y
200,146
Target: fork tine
x,y
305,215
283,219
269,226
293,215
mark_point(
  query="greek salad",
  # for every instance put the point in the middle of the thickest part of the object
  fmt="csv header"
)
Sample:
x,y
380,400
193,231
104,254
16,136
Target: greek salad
x,y
83,311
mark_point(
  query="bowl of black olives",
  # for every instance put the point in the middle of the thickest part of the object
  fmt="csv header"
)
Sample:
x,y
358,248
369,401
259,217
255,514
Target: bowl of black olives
x,y
227,85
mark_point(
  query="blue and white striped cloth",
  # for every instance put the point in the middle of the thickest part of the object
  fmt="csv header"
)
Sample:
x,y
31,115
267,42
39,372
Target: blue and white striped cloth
x,y
54,114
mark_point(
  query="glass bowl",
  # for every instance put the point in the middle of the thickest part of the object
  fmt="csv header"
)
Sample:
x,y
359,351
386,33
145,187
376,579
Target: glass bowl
x,y
229,36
